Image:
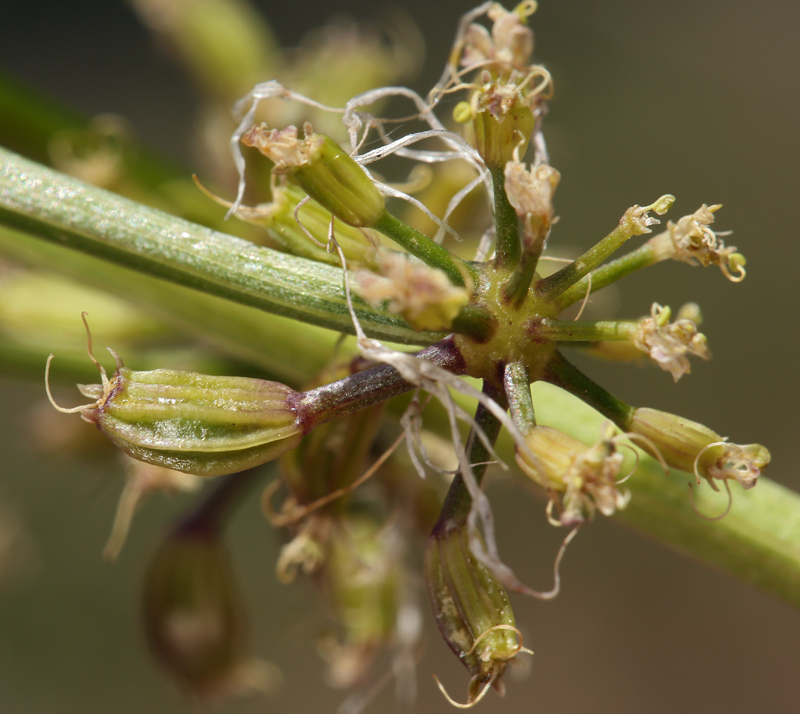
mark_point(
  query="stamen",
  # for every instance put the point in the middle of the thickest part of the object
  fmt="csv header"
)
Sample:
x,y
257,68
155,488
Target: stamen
x,y
296,512
469,704
710,518
73,410
585,297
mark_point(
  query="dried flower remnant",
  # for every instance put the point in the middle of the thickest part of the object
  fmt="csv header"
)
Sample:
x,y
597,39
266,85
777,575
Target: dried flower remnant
x,y
689,446
324,171
692,241
510,43
669,343
586,476
424,296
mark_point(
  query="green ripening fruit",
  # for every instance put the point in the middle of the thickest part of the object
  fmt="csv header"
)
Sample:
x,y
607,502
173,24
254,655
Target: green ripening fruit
x,y
194,619
471,607
204,425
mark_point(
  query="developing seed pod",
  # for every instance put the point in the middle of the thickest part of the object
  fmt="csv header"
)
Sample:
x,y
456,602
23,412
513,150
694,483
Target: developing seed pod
x,y
194,619
199,424
692,447
326,172
472,609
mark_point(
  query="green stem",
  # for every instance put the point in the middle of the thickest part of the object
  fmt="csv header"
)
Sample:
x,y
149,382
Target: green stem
x,y
508,246
583,331
517,384
428,251
567,376
458,502
642,257
559,282
61,209
288,350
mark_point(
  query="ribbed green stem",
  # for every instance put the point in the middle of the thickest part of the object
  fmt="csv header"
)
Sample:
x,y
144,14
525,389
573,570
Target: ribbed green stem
x,y
517,384
60,209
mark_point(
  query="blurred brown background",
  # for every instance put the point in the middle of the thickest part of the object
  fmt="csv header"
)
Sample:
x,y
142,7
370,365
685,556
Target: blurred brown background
x,y
698,99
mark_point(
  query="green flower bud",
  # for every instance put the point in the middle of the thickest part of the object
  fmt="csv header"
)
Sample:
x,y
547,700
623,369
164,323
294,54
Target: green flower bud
x,y
199,424
194,619
305,232
326,172
506,124
471,607
692,447
585,475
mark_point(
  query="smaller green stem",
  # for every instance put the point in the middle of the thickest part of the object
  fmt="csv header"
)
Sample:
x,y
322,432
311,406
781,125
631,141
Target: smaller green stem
x,y
605,275
508,248
428,251
584,331
565,375
458,502
517,384
553,286
516,288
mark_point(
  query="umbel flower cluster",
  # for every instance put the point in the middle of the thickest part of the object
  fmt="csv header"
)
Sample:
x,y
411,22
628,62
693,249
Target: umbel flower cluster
x,y
497,315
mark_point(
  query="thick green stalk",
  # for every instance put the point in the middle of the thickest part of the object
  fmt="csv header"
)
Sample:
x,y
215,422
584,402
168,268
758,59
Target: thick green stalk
x,y
288,350
60,209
